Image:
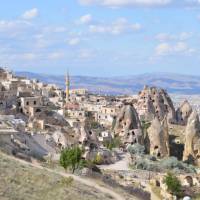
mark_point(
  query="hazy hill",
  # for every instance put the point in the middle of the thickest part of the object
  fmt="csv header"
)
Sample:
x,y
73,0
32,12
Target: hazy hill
x,y
174,83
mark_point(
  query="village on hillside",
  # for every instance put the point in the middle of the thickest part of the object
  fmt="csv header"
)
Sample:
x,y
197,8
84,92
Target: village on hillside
x,y
135,141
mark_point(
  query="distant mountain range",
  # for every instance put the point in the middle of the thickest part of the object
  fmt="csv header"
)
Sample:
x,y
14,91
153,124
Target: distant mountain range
x,y
174,83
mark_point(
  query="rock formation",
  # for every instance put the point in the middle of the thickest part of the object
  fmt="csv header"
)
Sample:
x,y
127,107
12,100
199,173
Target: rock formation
x,y
128,125
87,137
159,138
153,102
183,113
192,139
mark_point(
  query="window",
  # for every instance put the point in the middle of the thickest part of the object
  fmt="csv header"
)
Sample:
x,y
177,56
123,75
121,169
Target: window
x,y
90,132
27,103
34,102
38,110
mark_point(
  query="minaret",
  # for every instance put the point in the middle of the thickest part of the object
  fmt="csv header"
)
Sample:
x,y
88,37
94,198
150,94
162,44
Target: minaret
x,y
67,87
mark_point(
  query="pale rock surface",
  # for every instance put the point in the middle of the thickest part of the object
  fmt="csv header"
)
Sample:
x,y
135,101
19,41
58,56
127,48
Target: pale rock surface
x,y
159,138
128,125
183,113
192,139
154,102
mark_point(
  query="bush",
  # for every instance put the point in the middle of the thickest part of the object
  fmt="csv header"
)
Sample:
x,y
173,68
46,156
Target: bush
x,y
173,184
136,149
147,162
145,125
94,125
71,158
173,163
114,143
98,159
169,163
67,181
143,163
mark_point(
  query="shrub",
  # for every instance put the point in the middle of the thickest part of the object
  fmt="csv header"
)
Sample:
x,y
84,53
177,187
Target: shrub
x,y
71,158
173,163
136,149
173,184
145,125
169,163
94,125
67,181
98,159
145,164
114,143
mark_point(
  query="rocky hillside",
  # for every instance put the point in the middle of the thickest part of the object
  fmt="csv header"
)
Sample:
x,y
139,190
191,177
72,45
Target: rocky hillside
x,y
174,83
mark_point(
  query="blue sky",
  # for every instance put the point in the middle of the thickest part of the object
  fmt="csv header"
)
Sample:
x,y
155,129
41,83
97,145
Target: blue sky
x,y
100,37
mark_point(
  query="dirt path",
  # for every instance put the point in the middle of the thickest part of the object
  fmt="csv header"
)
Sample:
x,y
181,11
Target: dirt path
x,y
122,164
153,195
84,181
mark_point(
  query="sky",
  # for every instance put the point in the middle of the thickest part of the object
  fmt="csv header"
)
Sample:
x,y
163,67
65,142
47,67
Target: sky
x,y
100,37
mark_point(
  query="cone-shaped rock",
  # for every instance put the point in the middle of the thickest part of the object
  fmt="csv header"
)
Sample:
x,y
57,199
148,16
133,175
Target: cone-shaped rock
x,y
153,102
192,139
183,113
159,138
128,125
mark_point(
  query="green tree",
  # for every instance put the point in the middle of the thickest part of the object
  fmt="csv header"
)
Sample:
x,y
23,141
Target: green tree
x,y
71,158
114,143
173,184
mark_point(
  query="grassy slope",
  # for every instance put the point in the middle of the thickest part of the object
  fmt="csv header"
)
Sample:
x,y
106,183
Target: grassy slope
x,y
19,182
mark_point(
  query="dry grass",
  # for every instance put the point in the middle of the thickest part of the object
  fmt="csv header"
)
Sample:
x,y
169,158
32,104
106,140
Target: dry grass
x,y
19,182
156,191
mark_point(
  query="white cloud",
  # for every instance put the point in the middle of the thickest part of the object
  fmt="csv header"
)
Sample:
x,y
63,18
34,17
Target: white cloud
x,y
73,41
118,3
142,3
13,28
30,14
119,26
56,55
170,49
86,54
163,49
60,29
85,19
165,37
28,56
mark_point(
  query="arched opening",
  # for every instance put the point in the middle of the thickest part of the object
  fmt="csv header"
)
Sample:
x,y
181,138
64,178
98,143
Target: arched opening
x,y
90,132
